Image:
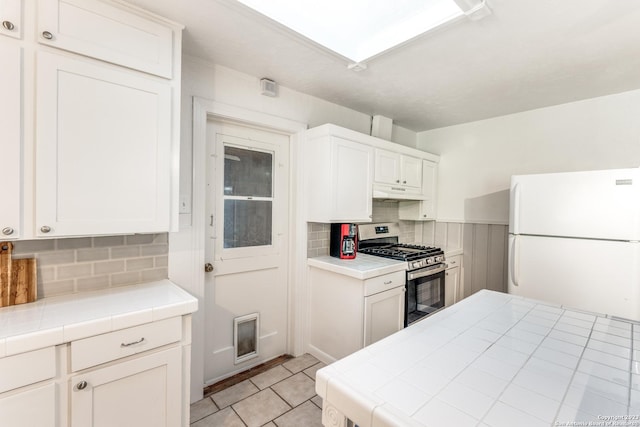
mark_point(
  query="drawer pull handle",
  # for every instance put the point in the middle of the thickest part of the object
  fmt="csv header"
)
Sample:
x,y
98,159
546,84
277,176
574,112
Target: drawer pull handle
x,y
81,385
8,25
47,35
388,282
132,343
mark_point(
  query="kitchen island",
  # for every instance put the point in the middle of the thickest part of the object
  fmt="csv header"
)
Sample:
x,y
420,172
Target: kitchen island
x,y
493,359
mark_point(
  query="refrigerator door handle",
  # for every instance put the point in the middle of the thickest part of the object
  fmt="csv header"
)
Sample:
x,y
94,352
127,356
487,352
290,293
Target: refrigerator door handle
x,y
515,266
515,210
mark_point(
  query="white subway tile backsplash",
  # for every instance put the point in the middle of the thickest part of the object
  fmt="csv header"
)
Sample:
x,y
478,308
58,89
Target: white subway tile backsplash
x,y
92,283
74,270
108,267
136,264
89,263
93,254
108,241
125,252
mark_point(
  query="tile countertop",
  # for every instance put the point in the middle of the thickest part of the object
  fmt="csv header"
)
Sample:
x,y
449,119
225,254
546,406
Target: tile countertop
x,y
56,320
362,267
492,359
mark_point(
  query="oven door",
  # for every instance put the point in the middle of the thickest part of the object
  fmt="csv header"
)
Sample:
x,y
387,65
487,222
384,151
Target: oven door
x,y
425,292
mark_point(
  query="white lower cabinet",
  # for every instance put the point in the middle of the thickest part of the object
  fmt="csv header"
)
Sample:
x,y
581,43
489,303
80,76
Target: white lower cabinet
x,y
30,407
346,313
452,287
145,391
27,381
383,314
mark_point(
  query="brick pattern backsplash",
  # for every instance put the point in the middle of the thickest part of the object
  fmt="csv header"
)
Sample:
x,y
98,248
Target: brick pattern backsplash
x,y
383,211
89,263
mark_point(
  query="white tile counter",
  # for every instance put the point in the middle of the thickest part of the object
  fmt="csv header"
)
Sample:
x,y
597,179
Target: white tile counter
x,y
362,267
493,359
56,320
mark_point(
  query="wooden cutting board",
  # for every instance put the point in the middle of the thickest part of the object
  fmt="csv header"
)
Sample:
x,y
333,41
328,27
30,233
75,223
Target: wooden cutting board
x,y
18,278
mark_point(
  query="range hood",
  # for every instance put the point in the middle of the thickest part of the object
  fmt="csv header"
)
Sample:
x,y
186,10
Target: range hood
x,y
389,192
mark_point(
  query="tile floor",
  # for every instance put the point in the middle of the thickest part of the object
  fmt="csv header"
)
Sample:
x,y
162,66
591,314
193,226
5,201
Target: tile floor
x,y
283,396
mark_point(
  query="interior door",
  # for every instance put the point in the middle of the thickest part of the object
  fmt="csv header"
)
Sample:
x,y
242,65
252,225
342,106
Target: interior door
x,y
247,243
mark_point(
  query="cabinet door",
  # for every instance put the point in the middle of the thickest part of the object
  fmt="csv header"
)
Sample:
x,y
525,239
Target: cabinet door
x,y
102,150
383,314
100,30
411,171
352,166
146,391
451,285
387,167
29,408
10,142
429,180
11,19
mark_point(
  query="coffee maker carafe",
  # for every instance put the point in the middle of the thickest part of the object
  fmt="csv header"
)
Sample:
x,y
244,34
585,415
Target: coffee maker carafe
x,y
344,241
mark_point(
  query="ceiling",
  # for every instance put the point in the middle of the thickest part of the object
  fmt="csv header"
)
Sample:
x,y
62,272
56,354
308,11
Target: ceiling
x,y
525,55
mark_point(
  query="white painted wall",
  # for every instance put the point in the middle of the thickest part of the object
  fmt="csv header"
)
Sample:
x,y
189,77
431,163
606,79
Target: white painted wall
x,y
223,85
477,159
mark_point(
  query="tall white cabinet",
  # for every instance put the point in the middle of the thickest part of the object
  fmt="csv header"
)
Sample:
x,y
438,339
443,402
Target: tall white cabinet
x,y
94,126
11,140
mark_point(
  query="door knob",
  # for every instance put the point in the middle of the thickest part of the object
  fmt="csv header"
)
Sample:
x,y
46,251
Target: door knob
x,y
208,267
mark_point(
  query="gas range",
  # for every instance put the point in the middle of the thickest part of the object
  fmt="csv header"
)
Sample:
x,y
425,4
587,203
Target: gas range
x,y
382,240
417,256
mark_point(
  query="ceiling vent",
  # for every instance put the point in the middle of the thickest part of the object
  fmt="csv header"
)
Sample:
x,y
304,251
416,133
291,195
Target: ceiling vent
x,y
268,87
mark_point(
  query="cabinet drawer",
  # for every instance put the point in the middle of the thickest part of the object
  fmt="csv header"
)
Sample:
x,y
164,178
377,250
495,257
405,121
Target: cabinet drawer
x,y
103,31
454,261
27,368
100,349
383,283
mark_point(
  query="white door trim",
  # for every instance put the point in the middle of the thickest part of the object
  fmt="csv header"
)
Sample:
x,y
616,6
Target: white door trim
x,y
203,110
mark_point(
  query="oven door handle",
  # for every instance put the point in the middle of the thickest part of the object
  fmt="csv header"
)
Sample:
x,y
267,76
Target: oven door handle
x,y
421,273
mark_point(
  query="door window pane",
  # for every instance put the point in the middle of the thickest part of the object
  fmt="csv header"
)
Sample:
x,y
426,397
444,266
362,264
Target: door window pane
x,y
247,223
247,172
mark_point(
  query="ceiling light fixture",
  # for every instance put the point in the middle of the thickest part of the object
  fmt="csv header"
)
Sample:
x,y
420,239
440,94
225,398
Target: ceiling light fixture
x,y
359,30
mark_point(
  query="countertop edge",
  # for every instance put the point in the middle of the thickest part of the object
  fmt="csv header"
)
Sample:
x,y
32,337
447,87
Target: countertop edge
x,y
56,333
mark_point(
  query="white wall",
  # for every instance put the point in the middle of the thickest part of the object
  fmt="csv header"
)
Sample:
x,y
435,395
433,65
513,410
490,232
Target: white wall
x,y
477,159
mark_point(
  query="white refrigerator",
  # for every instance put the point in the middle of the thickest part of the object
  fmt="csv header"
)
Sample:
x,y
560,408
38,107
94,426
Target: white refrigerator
x,y
574,240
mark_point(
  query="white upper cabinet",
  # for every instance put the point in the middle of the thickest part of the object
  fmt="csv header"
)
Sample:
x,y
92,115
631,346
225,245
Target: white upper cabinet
x,y
11,140
397,169
97,29
425,208
11,18
397,175
102,149
345,170
90,130
340,174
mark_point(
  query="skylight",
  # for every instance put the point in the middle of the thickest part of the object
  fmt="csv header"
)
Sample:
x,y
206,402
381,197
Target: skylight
x,y
359,29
